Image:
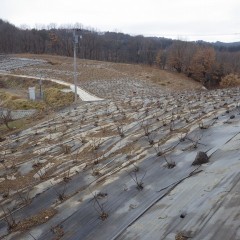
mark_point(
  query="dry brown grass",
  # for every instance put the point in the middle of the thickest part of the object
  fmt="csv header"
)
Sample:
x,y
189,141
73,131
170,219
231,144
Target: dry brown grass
x,y
55,98
23,104
12,82
14,94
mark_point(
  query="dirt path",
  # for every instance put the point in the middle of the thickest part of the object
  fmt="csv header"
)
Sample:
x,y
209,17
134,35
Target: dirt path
x,y
83,94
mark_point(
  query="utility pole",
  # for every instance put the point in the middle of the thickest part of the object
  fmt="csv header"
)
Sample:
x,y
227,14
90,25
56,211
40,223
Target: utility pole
x,y
75,43
40,96
40,88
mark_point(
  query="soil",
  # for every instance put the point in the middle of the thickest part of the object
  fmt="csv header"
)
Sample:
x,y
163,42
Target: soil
x,y
37,219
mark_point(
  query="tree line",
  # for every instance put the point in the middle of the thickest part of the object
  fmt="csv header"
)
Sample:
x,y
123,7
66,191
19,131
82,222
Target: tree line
x,y
201,61
104,46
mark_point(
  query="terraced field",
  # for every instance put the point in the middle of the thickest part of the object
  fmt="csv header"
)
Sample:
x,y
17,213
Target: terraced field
x,y
123,169
105,79
8,63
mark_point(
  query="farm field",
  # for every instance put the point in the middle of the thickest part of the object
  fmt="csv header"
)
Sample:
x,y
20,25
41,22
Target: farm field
x,y
106,79
122,168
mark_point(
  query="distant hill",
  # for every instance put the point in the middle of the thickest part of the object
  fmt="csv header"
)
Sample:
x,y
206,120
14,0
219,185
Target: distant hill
x,y
223,44
179,56
104,46
234,46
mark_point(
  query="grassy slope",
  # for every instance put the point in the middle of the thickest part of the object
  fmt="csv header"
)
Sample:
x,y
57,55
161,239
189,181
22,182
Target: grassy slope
x,y
14,95
62,67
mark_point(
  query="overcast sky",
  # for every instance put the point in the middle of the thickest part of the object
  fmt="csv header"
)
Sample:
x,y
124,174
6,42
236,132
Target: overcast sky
x,y
209,20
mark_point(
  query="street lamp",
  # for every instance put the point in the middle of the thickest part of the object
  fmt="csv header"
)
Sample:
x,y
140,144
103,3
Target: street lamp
x,y
75,43
40,87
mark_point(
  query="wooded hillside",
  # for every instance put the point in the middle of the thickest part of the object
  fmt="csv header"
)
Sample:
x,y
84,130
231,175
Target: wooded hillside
x,y
204,62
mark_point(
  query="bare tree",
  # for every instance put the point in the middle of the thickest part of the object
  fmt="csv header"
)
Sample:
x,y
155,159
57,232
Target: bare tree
x,y
6,117
62,193
99,207
161,58
176,56
136,179
9,218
